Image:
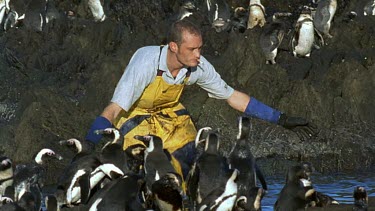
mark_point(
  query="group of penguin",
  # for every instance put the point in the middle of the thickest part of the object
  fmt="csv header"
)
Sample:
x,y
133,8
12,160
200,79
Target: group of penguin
x,y
312,22
144,178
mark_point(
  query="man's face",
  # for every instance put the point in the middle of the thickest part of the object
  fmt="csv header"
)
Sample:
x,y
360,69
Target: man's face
x,y
189,51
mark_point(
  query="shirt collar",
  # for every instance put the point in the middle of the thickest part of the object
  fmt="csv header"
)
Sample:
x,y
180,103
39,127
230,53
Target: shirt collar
x,y
163,62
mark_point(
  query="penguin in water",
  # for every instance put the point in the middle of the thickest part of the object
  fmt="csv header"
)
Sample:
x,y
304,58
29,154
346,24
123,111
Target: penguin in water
x,y
294,195
360,199
323,16
223,197
257,14
6,174
241,158
30,177
272,36
304,38
369,8
209,171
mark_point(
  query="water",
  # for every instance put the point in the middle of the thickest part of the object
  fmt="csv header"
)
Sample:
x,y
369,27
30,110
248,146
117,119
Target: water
x,y
338,186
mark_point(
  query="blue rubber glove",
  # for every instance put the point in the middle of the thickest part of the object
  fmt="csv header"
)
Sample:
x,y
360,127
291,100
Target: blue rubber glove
x,y
99,124
260,110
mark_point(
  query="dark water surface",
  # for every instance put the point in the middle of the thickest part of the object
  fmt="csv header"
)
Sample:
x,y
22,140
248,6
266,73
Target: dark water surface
x,y
338,186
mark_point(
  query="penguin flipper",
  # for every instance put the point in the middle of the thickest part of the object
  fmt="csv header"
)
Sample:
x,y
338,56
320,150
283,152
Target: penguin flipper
x,y
84,183
192,182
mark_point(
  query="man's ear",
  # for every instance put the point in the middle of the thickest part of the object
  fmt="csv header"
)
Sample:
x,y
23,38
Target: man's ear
x,y
173,46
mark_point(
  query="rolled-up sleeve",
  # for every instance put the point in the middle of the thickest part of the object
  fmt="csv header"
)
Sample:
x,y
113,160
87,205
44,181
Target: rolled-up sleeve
x,y
209,80
137,75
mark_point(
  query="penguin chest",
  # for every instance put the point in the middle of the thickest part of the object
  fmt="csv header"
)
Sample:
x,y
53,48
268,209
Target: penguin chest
x,y
305,39
332,10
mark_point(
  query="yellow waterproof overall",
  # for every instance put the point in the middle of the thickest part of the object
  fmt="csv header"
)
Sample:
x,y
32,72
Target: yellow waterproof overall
x,y
158,112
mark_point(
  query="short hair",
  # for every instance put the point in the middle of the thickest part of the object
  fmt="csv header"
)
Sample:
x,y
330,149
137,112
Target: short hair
x,y
178,27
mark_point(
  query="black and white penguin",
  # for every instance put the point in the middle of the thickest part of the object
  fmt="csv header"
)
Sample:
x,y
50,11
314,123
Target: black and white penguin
x,y
323,16
82,164
167,192
222,197
360,199
30,177
297,191
97,10
272,35
242,159
120,194
218,14
25,203
251,201
239,19
79,189
186,9
369,8
6,174
209,171
257,14
4,9
81,148
157,160
303,38
112,152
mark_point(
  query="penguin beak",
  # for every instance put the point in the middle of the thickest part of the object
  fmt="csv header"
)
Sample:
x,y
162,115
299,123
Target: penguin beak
x,y
144,139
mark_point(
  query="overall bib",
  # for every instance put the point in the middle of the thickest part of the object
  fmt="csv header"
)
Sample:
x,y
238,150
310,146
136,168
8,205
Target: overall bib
x,y
158,112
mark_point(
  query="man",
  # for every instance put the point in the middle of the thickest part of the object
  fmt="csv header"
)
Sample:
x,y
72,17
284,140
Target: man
x,y
146,99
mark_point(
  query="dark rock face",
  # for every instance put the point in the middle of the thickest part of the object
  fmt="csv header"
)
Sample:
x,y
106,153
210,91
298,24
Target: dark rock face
x,y
53,83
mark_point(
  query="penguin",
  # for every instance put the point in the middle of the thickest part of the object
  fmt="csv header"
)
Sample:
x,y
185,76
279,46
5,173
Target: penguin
x,y
97,10
75,194
156,161
186,9
239,20
85,162
4,9
323,16
303,38
26,202
242,159
81,148
35,15
209,171
120,194
112,152
223,196
6,174
51,203
218,15
11,20
252,200
30,177
360,199
297,191
369,8
167,192
271,37
257,14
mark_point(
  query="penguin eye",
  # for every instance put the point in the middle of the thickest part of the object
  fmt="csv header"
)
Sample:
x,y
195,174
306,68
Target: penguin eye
x,y
50,153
